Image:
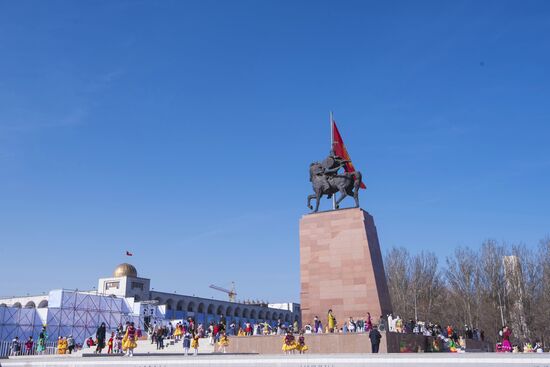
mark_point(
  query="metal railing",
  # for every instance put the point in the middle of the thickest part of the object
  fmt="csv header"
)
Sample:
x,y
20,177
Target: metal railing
x,y
5,349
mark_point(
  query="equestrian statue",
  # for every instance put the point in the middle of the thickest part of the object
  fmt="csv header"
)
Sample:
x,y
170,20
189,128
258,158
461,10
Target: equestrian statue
x,y
326,180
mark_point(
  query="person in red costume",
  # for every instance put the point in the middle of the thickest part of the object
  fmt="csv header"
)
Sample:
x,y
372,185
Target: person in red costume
x,y
506,345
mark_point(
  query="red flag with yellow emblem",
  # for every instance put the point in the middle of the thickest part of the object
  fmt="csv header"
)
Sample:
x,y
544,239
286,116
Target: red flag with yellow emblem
x,y
340,150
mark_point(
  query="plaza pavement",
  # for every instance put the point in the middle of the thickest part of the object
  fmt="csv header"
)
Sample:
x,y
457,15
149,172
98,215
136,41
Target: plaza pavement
x,y
317,360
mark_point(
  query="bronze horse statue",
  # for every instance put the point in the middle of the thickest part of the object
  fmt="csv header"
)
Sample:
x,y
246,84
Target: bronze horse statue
x,y
347,184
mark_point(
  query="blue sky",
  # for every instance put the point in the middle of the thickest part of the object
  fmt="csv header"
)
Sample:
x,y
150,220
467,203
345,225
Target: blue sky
x,y
183,131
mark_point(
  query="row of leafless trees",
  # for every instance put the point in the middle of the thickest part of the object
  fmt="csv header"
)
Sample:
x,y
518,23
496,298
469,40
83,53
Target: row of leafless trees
x,y
483,288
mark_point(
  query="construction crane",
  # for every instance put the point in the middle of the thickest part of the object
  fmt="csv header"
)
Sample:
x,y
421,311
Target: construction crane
x,y
231,293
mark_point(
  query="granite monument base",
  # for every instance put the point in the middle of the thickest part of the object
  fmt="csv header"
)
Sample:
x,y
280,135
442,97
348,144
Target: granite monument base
x,y
348,343
341,267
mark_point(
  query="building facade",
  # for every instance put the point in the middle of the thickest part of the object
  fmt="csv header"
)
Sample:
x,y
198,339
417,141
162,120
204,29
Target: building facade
x,y
126,283
125,297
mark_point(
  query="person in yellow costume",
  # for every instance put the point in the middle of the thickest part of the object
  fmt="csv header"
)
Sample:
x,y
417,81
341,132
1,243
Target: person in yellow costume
x,y
195,344
399,325
223,343
65,345
301,346
266,328
129,340
61,346
178,332
331,322
289,343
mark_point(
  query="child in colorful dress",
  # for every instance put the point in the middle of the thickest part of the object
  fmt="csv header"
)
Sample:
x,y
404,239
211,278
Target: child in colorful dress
x,y
61,345
289,343
90,342
65,345
178,332
186,342
129,340
211,333
223,343
118,343
506,345
28,346
399,325
195,344
368,325
331,322
301,346
110,344
452,345
15,346
41,347
191,324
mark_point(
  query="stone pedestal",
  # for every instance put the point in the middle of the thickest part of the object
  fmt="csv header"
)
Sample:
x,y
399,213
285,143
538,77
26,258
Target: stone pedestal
x,y
341,267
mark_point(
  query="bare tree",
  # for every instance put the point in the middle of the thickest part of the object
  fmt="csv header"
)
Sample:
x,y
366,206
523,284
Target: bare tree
x,y
487,288
426,285
415,283
463,279
541,299
398,275
491,290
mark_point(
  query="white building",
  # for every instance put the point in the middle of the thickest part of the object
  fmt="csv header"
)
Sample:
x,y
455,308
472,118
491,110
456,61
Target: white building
x,y
120,298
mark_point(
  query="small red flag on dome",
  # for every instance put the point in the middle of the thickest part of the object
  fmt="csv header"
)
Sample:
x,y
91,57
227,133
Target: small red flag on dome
x,y
128,253
340,150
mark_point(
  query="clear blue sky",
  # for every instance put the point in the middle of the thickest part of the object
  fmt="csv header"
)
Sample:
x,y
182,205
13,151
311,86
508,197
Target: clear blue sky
x,y
183,131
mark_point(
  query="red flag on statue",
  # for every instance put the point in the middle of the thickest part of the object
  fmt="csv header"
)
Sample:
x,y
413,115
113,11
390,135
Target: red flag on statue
x,y
340,150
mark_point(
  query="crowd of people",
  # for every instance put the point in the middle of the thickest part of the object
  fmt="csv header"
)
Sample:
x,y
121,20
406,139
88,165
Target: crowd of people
x,y
217,333
505,345
454,340
190,333
29,347
65,345
446,338
17,347
398,325
123,340
361,325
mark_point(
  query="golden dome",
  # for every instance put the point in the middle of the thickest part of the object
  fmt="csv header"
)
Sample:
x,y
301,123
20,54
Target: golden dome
x,y
125,270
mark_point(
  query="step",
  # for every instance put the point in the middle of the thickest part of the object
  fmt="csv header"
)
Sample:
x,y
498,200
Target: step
x,y
145,346
172,346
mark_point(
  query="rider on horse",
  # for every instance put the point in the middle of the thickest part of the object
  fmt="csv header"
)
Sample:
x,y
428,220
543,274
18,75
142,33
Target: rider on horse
x,y
331,165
